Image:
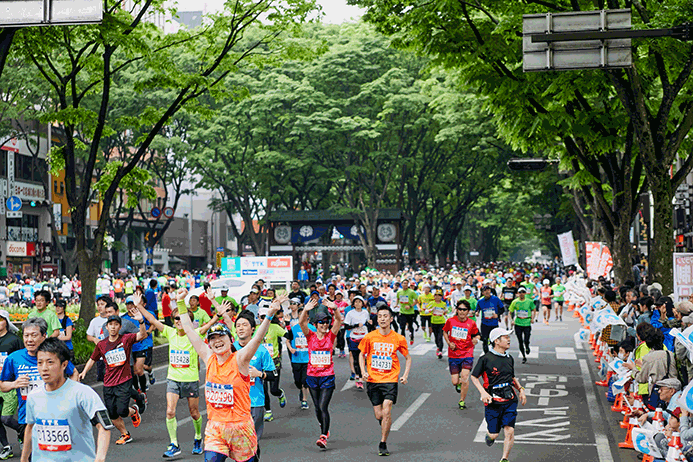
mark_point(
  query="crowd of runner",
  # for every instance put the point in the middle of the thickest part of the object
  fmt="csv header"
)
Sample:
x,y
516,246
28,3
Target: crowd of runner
x,y
368,320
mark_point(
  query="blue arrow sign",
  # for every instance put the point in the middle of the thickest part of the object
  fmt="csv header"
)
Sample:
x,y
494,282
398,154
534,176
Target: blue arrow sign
x,y
156,212
13,203
149,262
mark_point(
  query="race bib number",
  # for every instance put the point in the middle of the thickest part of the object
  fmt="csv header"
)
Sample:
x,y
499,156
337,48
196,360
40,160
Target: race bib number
x,y
358,333
320,358
53,435
219,396
383,363
3,357
508,295
35,381
404,299
115,358
459,333
488,313
426,309
270,348
438,311
179,359
522,314
301,342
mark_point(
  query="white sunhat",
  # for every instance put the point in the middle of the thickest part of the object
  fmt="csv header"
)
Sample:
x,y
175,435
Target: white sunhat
x,y
497,333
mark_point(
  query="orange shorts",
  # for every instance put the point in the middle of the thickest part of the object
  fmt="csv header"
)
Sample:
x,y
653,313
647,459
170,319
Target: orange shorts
x,y
237,441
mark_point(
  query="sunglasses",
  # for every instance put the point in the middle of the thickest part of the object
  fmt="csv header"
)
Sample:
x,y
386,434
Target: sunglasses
x,y
176,318
324,321
462,309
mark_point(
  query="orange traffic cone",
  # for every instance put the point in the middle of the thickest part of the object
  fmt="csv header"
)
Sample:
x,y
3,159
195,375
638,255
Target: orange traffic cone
x,y
619,405
674,454
600,352
605,382
646,458
591,340
628,443
658,420
626,418
576,314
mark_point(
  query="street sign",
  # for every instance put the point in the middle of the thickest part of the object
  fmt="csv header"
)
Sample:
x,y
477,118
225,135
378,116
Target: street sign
x,y
540,55
156,212
41,13
149,262
150,251
14,214
168,212
13,203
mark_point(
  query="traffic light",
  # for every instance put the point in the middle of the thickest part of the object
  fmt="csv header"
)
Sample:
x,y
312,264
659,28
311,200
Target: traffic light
x,y
535,165
33,203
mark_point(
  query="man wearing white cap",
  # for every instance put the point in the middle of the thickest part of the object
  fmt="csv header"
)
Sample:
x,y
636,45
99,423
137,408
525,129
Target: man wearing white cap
x,y
499,396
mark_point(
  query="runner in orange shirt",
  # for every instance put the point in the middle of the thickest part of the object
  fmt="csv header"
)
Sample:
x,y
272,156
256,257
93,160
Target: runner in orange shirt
x,y
230,431
379,352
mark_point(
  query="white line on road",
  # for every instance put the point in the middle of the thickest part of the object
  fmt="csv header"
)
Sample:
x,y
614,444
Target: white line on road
x,y
565,353
534,353
399,423
422,349
349,384
603,447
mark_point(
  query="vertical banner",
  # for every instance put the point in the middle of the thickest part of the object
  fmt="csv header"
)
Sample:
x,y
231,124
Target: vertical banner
x,y
605,262
593,252
565,241
683,276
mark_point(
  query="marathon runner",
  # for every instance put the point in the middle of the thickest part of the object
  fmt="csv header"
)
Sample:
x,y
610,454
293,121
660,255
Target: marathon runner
x,y
356,323
558,289
9,343
321,380
508,294
438,312
116,350
297,345
425,302
60,414
461,335
523,310
275,332
142,349
261,368
380,363
41,299
407,300
182,380
230,432
498,372
20,371
491,308
545,297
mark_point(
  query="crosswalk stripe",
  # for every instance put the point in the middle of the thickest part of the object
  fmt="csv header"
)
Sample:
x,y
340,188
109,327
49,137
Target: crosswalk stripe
x,y
565,353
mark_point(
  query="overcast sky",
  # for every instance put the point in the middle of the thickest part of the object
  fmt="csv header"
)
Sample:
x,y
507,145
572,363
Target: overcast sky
x,y
336,11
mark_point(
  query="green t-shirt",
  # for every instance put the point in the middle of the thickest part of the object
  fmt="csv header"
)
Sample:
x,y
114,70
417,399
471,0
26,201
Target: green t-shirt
x,y
271,340
523,311
440,309
558,291
529,287
50,317
182,357
407,301
426,301
221,300
201,317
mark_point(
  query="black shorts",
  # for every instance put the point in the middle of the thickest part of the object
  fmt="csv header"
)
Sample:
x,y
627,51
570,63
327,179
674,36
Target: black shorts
x,y
379,392
146,354
117,400
300,371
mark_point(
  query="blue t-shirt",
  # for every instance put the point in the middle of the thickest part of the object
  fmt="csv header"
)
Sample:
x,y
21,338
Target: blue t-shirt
x,y
68,323
148,342
489,307
28,291
58,414
150,304
22,363
300,344
261,361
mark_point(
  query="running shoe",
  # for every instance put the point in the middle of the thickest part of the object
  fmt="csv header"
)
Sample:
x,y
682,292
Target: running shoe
x,y
352,376
282,399
152,379
462,405
382,450
141,402
489,441
439,353
172,451
458,387
359,384
561,318
124,439
304,405
527,348
268,416
504,460
524,360
136,419
322,442
197,447
6,453
411,339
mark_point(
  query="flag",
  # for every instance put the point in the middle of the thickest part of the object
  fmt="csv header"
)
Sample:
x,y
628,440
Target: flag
x,y
643,441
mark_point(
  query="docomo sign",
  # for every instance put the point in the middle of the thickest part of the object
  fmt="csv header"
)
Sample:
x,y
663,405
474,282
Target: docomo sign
x,y
21,249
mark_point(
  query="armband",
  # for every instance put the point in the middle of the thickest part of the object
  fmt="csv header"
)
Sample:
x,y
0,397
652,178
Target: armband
x,y
269,318
101,417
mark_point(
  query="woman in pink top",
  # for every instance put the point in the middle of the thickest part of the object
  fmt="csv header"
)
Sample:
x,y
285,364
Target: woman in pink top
x,y
320,378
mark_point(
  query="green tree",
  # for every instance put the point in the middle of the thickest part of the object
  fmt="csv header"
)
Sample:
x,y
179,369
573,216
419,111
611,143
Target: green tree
x,y
82,65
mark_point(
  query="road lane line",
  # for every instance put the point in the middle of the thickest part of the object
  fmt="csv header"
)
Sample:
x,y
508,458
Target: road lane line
x,y
565,353
603,447
534,353
399,423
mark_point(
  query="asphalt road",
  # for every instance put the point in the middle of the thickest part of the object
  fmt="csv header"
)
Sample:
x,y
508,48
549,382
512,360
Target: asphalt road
x,y
566,418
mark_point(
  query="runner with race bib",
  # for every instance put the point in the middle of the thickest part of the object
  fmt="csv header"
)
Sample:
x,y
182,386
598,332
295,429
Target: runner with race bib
x,y
523,309
320,379
61,413
461,335
116,350
9,343
379,361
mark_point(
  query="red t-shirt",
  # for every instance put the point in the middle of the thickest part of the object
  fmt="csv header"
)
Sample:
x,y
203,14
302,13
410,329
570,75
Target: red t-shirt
x,y
320,362
116,355
460,334
166,305
206,304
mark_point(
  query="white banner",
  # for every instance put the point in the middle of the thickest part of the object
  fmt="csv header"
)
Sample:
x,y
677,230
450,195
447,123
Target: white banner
x,y
643,441
683,276
686,398
568,253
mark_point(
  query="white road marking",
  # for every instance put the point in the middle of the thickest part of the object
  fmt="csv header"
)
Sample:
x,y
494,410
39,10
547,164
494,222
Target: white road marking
x,y
534,353
578,345
349,384
603,447
399,423
421,349
565,353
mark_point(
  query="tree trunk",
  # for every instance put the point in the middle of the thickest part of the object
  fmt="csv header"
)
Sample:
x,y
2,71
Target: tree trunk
x,y
89,267
621,253
662,246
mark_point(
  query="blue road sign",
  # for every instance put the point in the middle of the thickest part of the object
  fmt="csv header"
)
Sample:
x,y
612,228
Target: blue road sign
x,y
13,203
156,212
149,262
150,251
